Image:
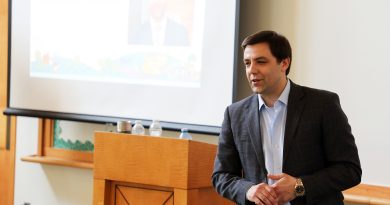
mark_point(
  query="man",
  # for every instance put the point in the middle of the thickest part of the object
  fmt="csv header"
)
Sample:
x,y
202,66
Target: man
x,y
286,144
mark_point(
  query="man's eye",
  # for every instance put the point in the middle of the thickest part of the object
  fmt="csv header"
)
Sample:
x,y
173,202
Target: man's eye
x,y
261,62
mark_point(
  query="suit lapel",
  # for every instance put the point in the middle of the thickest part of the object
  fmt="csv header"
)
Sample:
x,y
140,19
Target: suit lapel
x,y
294,110
253,122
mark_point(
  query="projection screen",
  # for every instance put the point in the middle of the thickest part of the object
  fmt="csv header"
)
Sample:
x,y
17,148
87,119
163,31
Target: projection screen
x,y
104,60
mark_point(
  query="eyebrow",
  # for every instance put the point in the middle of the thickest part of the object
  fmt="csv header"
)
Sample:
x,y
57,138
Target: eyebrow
x,y
258,58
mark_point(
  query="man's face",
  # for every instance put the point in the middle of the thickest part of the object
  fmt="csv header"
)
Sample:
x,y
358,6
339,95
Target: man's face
x,y
265,75
157,9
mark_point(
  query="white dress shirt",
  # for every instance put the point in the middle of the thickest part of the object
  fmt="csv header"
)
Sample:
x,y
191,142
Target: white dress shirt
x,y
272,125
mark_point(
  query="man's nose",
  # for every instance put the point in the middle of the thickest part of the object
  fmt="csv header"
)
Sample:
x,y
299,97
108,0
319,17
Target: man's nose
x,y
252,68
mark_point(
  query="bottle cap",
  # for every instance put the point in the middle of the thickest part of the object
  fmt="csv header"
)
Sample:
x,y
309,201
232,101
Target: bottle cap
x,y
184,129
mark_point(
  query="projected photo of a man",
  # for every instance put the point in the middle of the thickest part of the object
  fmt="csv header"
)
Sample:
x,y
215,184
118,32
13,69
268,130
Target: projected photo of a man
x,y
161,23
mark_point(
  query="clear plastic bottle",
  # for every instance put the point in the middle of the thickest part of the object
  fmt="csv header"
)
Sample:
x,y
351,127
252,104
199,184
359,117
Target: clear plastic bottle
x,y
138,128
184,134
109,127
155,128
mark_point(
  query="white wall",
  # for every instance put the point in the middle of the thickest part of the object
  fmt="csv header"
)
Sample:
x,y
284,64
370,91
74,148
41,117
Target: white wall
x,y
40,184
344,46
338,45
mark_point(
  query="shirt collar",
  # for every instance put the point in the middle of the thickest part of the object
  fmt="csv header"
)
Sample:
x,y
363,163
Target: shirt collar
x,y
282,98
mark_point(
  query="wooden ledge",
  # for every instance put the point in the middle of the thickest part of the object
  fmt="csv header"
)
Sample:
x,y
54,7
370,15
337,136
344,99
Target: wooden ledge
x,y
57,161
368,194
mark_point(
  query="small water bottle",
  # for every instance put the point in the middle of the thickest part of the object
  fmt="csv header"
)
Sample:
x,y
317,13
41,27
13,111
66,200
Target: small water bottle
x,y
109,127
155,128
184,134
138,128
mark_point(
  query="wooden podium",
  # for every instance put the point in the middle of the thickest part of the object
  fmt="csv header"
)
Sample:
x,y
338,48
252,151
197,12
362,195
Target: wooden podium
x,y
145,170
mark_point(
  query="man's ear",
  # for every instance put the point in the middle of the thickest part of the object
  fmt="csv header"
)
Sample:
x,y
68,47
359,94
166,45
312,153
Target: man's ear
x,y
285,63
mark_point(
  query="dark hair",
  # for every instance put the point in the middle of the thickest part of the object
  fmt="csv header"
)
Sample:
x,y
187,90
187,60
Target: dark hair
x,y
278,44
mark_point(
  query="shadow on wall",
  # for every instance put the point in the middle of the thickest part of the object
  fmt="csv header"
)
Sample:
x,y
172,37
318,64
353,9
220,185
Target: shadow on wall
x,y
263,15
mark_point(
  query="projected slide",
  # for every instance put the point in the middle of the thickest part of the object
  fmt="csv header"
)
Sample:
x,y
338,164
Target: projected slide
x,y
154,42
172,60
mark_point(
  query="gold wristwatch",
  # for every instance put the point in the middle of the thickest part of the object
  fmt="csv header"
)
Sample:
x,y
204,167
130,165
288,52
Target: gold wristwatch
x,y
299,188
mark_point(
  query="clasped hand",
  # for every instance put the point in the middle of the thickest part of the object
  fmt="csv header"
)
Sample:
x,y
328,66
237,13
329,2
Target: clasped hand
x,y
281,192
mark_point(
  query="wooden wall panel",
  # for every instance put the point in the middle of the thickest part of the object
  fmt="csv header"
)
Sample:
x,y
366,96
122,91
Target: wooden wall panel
x,y
3,68
7,144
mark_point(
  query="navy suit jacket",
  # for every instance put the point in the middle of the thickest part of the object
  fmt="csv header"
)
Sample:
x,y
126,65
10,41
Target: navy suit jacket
x,y
318,147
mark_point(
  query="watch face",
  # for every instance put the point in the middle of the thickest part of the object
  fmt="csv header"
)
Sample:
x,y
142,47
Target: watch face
x,y
299,190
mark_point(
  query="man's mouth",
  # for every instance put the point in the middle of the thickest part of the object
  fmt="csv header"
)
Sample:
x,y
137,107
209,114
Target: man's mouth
x,y
256,82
